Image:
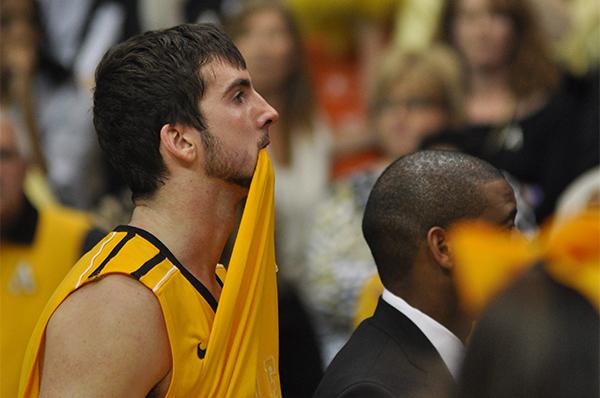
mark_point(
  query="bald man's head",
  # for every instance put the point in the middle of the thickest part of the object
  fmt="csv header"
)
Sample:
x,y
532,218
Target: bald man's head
x,y
424,190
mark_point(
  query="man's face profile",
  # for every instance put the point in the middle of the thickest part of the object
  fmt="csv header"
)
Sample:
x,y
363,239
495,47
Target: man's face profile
x,y
237,120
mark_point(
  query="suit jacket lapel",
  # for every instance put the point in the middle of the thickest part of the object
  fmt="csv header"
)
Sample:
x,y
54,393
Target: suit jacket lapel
x,y
418,349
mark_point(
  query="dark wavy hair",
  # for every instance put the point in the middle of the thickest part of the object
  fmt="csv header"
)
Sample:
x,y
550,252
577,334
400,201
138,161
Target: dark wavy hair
x,y
146,82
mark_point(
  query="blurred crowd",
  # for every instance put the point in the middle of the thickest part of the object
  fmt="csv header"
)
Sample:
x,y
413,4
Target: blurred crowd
x,y
357,83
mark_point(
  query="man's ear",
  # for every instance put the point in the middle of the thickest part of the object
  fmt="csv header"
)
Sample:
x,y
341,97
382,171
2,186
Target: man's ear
x,y
176,139
437,242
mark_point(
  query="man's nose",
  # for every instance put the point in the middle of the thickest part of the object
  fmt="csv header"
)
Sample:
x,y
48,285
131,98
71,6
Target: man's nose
x,y
268,114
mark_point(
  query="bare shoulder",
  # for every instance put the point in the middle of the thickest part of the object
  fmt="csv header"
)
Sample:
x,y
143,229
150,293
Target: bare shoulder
x,y
106,339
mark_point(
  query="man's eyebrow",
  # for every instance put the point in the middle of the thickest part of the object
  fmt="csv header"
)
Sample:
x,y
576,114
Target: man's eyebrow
x,y
237,83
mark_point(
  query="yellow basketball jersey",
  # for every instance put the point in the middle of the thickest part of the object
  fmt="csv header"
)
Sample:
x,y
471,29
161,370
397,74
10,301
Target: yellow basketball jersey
x,y
230,354
187,306
29,274
243,351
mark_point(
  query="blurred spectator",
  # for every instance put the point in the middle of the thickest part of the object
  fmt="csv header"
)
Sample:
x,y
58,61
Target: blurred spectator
x,y
37,248
75,35
161,14
572,26
574,29
415,94
538,339
300,145
344,41
525,117
18,62
49,53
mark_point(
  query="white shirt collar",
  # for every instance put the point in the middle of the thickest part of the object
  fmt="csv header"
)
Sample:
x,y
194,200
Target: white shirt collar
x,y
450,348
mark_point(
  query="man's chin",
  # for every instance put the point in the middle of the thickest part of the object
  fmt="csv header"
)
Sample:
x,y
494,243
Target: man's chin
x,y
243,182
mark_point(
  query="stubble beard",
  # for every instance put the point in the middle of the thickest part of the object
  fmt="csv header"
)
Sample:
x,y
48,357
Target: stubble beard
x,y
219,163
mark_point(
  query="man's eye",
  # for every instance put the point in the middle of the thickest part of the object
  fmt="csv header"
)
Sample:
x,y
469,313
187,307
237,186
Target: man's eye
x,y
239,97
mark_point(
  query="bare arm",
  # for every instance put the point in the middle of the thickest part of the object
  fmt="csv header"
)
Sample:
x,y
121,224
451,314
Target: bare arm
x,y
107,339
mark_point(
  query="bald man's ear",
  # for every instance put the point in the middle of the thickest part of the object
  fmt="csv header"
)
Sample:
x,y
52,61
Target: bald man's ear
x,y
177,141
438,247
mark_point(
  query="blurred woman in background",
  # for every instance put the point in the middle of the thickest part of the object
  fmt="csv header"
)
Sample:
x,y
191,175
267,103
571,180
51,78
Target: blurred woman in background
x,y
415,94
525,116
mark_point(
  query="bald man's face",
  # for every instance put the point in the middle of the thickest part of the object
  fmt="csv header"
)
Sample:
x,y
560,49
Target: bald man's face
x,y
501,204
12,172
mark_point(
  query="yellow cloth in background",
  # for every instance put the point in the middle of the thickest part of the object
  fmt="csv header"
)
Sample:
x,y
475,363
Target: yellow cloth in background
x,y
336,22
416,24
579,49
242,358
487,258
29,274
367,300
37,189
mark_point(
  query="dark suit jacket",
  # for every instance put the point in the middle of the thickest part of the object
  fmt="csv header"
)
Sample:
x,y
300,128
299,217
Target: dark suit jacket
x,y
387,356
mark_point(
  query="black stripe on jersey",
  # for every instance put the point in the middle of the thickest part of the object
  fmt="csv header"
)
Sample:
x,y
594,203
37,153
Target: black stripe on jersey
x,y
204,292
148,265
219,281
113,253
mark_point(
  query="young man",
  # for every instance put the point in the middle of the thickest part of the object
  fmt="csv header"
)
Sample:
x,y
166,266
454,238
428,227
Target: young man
x,y
177,116
414,341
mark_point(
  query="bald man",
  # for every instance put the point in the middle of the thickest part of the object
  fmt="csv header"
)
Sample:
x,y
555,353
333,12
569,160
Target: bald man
x,y
415,340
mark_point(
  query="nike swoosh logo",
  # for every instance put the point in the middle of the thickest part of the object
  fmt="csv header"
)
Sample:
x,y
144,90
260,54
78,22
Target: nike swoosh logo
x,y
201,352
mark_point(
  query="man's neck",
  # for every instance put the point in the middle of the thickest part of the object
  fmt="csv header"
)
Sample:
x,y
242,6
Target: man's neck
x,y
439,305
444,340
193,225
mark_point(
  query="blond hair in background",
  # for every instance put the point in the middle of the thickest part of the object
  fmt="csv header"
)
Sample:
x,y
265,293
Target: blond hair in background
x,y
434,71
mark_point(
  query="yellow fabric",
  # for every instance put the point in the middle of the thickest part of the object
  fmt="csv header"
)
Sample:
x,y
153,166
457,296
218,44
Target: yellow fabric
x,y
335,22
416,24
367,299
487,259
187,313
29,274
242,354
37,189
579,49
